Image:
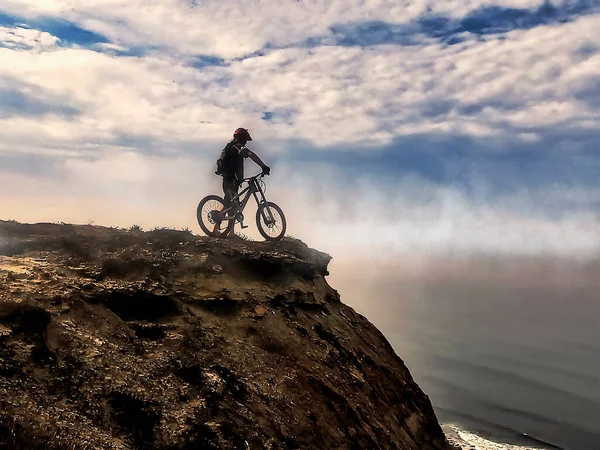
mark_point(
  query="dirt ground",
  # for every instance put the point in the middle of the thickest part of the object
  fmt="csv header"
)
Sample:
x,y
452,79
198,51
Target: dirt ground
x,y
124,339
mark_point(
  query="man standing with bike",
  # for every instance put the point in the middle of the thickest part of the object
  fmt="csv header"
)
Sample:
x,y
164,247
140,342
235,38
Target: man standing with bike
x,y
213,210
231,164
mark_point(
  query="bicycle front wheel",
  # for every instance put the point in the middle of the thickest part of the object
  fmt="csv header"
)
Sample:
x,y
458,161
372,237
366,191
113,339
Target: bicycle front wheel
x,y
207,214
270,221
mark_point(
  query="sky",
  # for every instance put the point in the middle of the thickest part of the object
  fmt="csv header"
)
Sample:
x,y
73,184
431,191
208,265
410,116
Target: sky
x,y
444,149
393,128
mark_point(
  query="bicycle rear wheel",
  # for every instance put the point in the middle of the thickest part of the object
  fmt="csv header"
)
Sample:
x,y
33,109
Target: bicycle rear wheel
x,y
207,212
270,221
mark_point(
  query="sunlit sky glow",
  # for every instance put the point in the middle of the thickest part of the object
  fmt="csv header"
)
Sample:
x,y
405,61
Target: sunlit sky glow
x,y
403,126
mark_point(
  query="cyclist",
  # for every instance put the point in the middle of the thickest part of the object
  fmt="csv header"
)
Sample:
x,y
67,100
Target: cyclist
x,y
231,164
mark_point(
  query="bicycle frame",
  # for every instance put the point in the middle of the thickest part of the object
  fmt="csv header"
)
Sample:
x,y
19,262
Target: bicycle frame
x,y
253,189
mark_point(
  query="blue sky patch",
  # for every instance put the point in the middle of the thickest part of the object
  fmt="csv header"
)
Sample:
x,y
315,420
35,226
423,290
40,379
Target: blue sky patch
x,y
489,20
202,61
590,93
498,19
16,103
469,164
67,32
280,115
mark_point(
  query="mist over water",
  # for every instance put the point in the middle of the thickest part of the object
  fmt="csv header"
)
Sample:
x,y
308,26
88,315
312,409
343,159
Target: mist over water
x,y
513,358
493,302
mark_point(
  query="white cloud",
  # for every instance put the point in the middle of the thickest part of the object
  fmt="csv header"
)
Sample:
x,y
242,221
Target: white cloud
x,y
231,28
147,97
334,95
23,38
124,153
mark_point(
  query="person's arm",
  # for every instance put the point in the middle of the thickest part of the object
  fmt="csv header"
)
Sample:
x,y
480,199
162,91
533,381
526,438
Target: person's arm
x,y
254,157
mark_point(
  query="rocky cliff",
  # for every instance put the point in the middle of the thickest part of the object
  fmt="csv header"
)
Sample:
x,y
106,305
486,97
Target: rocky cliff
x,y
127,339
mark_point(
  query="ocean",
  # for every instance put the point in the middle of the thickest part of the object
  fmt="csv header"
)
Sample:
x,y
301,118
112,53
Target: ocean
x,y
508,362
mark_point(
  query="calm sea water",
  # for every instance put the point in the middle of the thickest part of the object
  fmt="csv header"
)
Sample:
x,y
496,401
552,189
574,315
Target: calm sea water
x,y
517,364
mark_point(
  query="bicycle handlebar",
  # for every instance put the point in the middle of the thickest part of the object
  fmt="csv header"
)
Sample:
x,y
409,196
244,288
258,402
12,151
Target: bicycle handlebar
x,y
262,174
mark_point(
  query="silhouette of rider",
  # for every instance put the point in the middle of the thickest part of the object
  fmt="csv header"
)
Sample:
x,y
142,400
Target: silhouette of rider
x,y
232,169
236,152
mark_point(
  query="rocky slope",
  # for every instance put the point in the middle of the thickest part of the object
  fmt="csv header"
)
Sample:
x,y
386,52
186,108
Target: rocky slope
x,y
126,339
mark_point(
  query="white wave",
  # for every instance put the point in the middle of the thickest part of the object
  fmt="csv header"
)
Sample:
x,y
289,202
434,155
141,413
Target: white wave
x,y
470,441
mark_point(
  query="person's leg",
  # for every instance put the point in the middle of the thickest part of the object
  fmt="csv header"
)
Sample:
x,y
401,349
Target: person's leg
x,y
230,189
226,192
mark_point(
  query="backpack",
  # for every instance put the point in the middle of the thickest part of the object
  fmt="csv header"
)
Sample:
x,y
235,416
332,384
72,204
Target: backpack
x,y
226,164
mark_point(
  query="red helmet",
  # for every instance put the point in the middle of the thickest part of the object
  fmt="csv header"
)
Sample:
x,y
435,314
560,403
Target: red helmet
x,y
242,134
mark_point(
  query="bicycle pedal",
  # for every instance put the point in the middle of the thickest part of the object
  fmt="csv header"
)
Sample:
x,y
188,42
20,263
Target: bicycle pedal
x,y
244,226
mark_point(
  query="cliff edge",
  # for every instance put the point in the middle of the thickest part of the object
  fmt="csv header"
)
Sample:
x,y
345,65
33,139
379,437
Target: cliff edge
x,y
120,339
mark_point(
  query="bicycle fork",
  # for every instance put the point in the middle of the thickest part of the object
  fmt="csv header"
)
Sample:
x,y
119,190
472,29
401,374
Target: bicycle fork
x,y
266,211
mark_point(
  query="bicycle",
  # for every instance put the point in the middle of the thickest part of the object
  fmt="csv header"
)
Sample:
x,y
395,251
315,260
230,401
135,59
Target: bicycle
x,y
270,220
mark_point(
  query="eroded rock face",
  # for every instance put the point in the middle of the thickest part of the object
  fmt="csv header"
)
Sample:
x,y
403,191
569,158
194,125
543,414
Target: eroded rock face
x,y
117,339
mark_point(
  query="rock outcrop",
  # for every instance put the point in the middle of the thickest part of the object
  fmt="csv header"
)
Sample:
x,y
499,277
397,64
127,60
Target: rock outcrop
x,y
118,339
